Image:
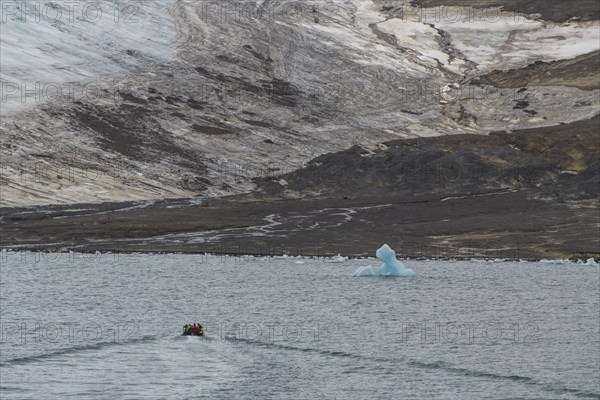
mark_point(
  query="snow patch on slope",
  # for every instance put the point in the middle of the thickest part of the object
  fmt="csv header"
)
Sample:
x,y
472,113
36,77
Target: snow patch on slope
x,y
513,42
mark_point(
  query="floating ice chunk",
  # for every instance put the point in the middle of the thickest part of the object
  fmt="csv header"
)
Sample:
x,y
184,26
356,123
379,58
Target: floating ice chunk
x,y
591,262
559,261
390,267
337,259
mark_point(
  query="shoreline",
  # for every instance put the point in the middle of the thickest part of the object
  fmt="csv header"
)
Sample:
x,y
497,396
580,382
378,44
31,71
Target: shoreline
x,y
325,259
482,228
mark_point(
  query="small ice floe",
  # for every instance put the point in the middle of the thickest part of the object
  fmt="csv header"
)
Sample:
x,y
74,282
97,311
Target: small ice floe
x,y
560,262
591,262
337,259
390,267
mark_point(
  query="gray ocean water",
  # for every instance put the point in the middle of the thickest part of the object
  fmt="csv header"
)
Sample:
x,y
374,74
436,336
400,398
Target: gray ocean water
x,y
108,327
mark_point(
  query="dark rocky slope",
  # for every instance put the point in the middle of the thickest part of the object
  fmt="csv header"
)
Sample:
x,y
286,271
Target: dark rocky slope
x,y
549,10
560,161
580,72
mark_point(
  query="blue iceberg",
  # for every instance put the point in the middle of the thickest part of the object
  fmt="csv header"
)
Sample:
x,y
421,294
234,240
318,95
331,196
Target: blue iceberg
x,y
390,267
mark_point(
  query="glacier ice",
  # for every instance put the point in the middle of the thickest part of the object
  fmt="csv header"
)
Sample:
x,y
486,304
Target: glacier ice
x,y
390,267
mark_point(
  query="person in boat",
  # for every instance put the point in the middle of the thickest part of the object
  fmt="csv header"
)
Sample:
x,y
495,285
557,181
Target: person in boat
x,y
195,330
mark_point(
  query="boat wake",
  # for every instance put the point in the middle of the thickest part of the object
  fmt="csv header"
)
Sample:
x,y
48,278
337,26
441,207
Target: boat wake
x,y
556,388
72,350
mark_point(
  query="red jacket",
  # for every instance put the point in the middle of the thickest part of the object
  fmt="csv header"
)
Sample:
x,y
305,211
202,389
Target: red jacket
x,y
195,330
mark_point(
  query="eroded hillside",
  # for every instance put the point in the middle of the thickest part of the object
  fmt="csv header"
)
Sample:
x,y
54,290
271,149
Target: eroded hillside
x,y
256,89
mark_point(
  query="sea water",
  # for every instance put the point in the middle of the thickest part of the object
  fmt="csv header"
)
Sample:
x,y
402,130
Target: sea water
x,y
107,326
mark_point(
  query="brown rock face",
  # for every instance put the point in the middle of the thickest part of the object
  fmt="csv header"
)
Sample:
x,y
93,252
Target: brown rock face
x,y
580,72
